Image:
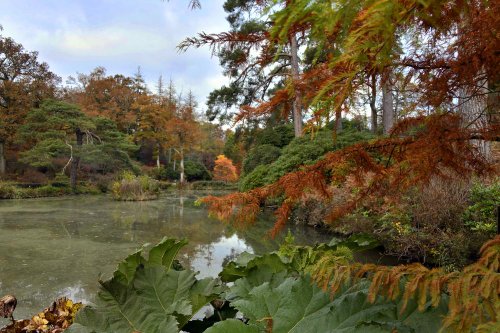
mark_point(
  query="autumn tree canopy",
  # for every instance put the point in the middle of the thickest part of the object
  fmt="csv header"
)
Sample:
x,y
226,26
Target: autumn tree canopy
x,y
108,96
445,49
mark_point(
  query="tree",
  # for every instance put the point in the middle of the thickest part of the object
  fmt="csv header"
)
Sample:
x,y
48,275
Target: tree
x,y
59,130
24,83
152,123
387,106
224,169
184,130
112,97
255,66
449,48
211,143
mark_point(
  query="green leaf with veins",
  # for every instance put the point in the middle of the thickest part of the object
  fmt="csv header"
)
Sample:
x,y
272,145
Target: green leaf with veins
x,y
147,296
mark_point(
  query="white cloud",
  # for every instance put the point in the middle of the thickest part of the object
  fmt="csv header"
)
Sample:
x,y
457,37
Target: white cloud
x,y
110,41
76,36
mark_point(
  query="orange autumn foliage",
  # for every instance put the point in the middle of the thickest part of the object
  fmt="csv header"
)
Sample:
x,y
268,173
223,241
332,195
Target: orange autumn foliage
x,y
225,170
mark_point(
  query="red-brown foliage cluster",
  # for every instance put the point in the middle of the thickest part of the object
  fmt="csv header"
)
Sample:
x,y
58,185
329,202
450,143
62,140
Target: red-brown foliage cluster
x,y
417,150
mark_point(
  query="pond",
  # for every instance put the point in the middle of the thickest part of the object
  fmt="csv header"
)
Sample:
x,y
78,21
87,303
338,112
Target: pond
x,y
55,247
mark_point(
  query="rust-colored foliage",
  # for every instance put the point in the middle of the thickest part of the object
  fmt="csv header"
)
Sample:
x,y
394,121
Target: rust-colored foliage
x,y
152,120
448,49
103,95
24,82
417,150
225,170
473,293
54,319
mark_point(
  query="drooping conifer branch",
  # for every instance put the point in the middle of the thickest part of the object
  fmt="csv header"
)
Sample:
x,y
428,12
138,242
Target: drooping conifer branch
x,y
473,293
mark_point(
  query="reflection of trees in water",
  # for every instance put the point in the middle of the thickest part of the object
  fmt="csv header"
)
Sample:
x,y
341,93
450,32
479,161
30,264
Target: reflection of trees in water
x,y
172,217
181,205
230,257
205,251
257,235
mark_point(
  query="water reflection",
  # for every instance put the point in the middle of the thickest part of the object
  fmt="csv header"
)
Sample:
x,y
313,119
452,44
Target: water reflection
x,y
59,246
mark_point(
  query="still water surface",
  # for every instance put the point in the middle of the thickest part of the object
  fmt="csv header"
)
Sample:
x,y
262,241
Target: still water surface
x,y
57,247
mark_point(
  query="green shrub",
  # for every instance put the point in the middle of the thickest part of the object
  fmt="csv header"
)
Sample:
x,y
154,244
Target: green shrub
x,y
60,181
49,191
254,179
135,188
277,136
195,170
8,191
168,173
56,189
260,155
86,188
480,215
302,151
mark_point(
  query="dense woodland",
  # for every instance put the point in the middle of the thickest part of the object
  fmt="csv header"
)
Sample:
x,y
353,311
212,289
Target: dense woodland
x,y
362,118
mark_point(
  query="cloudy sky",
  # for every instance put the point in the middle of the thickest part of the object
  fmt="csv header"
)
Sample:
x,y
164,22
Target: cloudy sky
x,y
78,35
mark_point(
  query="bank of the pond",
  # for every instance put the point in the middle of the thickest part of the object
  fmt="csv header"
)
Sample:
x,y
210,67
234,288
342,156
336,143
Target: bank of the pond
x,y
30,191
12,190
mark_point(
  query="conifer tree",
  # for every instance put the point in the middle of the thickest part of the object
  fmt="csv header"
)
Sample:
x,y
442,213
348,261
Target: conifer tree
x,y
58,130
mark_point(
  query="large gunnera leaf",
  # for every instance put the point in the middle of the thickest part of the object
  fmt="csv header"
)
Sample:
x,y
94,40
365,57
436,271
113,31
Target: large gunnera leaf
x,y
275,297
297,305
147,295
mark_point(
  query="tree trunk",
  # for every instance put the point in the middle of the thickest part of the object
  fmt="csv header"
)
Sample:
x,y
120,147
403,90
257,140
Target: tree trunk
x,y
3,163
181,168
373,101
76,159
476,108
338,121
158,157
297,103
387,106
